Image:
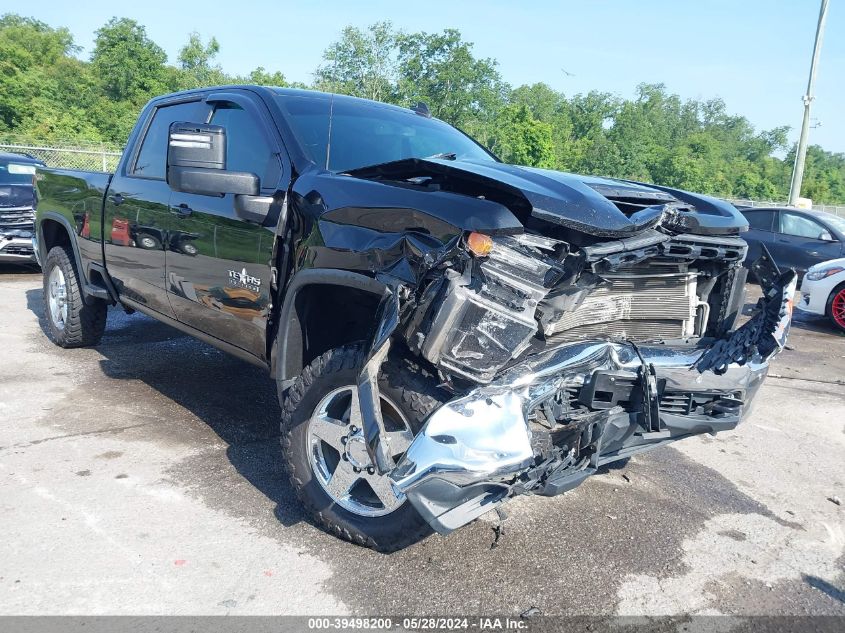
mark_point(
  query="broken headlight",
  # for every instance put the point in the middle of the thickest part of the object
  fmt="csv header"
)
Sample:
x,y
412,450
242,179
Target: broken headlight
x,y
487,314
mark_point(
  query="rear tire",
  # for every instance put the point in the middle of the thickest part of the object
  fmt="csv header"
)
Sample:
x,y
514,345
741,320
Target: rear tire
x,y
836,307
148,242
404,386
72,319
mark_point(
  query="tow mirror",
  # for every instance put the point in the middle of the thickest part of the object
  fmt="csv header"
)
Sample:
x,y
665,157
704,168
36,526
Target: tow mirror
x,y
253,209
196,162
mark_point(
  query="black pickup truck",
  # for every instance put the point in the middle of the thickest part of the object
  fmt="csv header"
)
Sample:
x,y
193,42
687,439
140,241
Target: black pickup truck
x,y
446,330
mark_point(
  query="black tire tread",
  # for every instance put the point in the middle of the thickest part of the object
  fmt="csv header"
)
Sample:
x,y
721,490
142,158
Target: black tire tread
x,y
86,320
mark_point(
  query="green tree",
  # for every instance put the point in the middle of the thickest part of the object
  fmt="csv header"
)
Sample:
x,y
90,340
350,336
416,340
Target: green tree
x,y
361,63
824,178
128,64
47,92
35,62
441,70
196,60
260,77
523,140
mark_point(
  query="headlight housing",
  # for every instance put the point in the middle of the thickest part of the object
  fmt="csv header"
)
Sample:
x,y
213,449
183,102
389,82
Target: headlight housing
x,y
824,272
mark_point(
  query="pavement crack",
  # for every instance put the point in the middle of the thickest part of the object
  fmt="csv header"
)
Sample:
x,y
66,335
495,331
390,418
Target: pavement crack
x,y
838,383
82,434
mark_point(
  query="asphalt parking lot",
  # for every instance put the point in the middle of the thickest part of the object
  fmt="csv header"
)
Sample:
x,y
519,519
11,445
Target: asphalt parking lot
x,y
144,476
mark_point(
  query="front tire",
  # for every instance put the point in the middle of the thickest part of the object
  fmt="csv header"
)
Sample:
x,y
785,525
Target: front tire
x,y
836,307
189,249
326,457
72,319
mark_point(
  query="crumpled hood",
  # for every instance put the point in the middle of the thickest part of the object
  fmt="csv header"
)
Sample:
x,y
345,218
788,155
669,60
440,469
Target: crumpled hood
x,y
596,206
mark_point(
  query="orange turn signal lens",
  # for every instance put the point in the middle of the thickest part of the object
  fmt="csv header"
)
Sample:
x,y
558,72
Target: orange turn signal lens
x,y
479,244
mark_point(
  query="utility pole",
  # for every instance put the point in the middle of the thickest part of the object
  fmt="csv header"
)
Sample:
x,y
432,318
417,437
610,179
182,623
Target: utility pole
x,y
801,154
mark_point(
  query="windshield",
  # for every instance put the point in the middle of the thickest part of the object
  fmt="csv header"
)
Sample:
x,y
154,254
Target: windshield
x,y
837,222
16,173
361,133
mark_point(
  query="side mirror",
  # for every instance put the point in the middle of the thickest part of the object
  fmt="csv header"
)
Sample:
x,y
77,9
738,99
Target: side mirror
x,y
196,162
826,236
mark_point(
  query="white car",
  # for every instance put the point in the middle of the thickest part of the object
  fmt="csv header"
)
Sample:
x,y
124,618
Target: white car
x,y
823,291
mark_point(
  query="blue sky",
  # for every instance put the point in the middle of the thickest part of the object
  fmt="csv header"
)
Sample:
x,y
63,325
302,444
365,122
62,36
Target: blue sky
x,y
754,54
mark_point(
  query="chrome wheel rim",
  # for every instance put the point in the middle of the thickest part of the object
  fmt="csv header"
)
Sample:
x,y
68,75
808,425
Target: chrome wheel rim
x,y
57,297
148,242
338,454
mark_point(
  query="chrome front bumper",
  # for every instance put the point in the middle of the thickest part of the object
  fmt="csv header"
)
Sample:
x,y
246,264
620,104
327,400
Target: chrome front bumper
x,y
472,451
479,449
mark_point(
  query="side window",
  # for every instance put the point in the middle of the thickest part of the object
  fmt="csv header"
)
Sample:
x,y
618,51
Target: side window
x,y
800,226
247,147
762,220
152,158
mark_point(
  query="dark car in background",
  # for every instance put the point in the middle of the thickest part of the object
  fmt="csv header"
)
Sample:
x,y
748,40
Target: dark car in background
x,y
796,238
17,202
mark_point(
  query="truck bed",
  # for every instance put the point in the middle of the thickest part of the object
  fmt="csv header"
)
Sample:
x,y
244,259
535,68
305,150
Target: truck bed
x,y
74,198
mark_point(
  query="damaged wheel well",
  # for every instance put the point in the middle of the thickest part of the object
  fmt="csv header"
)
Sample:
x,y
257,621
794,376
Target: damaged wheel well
x,y
324,309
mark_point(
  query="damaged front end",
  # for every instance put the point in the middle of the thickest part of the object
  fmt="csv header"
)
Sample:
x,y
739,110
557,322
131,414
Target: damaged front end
x,y
563,358
595,322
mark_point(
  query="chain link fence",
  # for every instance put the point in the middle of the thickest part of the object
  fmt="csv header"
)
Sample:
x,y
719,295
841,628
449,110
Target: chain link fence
x,y
102,157
87,156
829,208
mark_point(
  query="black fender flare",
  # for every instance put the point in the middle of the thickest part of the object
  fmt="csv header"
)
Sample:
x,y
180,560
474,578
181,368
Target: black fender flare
x,y
287,348
71,234
89,290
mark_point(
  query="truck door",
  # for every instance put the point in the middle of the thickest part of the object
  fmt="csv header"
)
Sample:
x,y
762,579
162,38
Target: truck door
x,y
137,212
219,266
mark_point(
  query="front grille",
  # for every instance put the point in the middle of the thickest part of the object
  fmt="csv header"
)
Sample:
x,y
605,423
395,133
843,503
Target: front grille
x,y
17,249
680,403
677,403
16,217
689,247
637,307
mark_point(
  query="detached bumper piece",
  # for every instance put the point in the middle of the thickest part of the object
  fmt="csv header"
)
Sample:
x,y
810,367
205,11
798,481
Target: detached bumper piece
x,y
764,333
546,424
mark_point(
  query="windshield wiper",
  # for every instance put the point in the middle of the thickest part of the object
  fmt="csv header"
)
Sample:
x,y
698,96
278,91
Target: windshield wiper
x,y
443,155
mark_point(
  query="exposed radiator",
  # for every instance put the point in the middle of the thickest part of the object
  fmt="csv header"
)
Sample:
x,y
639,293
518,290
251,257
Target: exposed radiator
x,y
633,306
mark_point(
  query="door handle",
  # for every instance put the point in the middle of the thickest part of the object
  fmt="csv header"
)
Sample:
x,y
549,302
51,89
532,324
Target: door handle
x,y
181,210
117,199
